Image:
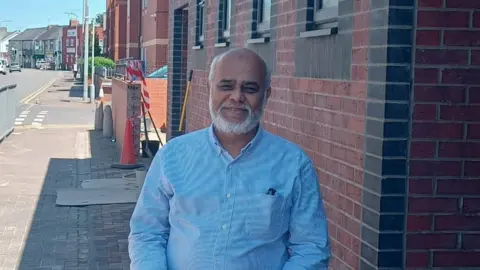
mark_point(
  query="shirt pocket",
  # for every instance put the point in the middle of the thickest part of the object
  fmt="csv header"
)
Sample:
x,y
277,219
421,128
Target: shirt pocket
x,y
265,216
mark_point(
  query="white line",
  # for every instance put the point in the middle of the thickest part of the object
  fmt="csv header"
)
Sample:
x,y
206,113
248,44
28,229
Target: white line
x,y
23,115
41,116
20,119
18,123
25,112
38,120
43,112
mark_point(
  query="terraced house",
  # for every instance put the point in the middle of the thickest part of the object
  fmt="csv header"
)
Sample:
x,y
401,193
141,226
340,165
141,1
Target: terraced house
x,y
384,96
28,46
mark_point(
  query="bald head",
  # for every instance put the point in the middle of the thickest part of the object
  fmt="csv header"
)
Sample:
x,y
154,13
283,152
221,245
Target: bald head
x,y
236,55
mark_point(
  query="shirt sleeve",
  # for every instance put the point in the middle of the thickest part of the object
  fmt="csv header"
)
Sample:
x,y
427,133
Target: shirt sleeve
x,y
308,244
149,225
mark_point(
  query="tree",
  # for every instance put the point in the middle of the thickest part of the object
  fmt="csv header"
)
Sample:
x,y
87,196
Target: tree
x,y
96,46
99,19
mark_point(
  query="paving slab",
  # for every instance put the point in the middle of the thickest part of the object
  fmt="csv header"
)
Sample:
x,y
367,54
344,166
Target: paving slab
x,y
34,232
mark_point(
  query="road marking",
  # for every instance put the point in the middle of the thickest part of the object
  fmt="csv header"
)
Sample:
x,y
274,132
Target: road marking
x,y
38,120
37,126
41,116
20,119
43,112
33,95
18,123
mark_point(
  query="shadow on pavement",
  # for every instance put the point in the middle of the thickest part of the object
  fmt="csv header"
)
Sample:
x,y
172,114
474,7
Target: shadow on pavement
x,y
89,237
76,91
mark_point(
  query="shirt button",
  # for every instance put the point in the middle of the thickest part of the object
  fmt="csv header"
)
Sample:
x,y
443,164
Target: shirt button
x,y
224,227
228,195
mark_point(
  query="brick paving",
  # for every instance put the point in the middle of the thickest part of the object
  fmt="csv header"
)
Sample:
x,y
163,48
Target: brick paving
x,y
36,234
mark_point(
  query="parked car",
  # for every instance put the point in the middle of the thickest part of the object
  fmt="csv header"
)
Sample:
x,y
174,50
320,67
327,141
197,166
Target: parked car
x,y
40,64
15,67
3,66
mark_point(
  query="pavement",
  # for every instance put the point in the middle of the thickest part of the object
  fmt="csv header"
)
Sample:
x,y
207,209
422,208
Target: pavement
x,y
35,160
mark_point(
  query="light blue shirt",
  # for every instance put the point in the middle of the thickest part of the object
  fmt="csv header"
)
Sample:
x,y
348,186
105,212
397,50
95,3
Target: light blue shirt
x,y
202,209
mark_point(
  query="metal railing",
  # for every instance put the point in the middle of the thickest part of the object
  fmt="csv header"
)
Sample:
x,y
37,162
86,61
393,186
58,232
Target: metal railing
x,y
105,72
8,103
121,66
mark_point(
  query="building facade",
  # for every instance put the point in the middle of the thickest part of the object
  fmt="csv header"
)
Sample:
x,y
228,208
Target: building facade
x,y
5,37
72,43
116,29
134,28
384,96
29,48
51,43
154,33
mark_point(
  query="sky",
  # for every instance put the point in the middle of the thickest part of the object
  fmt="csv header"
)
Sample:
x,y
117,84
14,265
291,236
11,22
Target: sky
x,y
22,14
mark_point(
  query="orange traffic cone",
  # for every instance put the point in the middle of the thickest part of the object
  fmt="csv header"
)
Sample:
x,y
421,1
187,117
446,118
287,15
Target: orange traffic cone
x,y
128,159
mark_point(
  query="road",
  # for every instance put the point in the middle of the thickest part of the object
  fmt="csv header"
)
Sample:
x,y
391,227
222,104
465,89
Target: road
x,y
58,102
29,80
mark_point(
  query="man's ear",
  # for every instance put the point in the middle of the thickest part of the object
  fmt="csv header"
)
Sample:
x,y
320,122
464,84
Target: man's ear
x,y
269,92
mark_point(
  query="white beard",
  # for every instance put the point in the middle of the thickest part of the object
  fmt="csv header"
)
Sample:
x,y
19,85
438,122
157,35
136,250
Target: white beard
x,y
236,128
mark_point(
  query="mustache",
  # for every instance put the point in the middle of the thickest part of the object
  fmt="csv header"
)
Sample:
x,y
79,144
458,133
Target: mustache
x,y
240,107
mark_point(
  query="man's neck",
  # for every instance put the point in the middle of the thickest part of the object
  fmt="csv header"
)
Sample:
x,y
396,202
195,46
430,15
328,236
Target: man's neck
x,y
234,143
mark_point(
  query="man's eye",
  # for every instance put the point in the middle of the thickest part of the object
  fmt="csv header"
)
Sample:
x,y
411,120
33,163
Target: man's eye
x,y
250,90
225,87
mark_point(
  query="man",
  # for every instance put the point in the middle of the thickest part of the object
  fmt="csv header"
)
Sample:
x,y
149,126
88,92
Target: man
x,y
232,196
75,71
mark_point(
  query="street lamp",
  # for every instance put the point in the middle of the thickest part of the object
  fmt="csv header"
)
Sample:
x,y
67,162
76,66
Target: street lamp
x,y
4,21
85,52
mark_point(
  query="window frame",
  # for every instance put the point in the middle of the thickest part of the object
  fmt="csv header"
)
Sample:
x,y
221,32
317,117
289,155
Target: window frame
x,y
323,16
226,18
262,25
200,25
128,8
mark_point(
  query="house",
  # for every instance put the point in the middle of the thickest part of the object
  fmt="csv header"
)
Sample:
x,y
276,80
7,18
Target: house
x,y
72,43
5,37
51,44
382,95
116,29
146,27
28,47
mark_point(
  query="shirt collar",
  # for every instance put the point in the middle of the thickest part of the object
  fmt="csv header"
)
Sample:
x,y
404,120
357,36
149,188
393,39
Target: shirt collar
x,y
218,147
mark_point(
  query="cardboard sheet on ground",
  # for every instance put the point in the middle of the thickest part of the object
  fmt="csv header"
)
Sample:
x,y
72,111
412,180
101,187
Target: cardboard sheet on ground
x,y
83,197
109,183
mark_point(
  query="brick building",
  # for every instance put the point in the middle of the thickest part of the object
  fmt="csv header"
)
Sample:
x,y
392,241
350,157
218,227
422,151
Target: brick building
x,y
72,43
384,96
154,29
116,29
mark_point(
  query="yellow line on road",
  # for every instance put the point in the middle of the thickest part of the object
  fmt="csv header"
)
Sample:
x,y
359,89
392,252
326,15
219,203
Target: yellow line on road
x,y
33,95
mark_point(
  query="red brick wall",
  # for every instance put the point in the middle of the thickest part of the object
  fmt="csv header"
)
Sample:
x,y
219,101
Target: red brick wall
x,y
155,34
444,185
133,33
157,89
120,30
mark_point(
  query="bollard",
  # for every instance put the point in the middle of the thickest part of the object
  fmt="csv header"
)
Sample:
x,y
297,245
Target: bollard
x,y
107,121
99,115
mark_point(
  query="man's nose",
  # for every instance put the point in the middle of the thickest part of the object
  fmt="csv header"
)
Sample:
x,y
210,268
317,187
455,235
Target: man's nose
x,y
237,96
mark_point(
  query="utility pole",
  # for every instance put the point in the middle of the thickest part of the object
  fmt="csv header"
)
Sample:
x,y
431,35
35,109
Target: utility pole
x,y
92,86
85,54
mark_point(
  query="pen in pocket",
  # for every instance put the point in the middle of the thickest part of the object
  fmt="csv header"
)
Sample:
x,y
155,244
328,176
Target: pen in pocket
x,y
271,191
